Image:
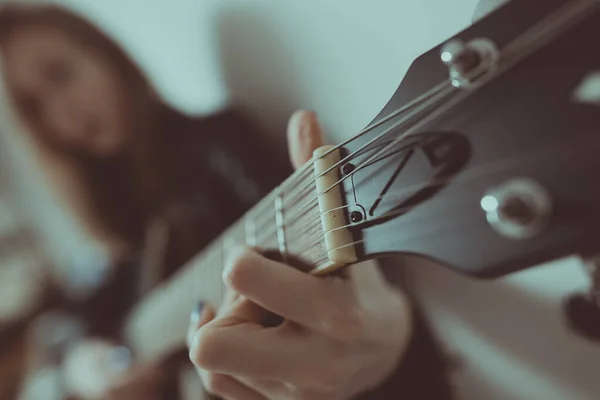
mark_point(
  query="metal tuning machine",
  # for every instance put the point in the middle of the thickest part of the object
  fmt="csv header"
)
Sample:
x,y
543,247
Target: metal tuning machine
x,y
469,62
518,209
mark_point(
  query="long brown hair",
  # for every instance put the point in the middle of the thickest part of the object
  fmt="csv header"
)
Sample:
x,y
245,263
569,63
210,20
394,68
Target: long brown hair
x,y
127,190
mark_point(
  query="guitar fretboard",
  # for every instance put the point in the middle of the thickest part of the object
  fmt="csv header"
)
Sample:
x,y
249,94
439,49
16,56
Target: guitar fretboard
x,y
286,223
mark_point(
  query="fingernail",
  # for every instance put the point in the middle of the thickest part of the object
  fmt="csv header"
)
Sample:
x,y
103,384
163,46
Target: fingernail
x,y
120,359
231,259
297,116
195,316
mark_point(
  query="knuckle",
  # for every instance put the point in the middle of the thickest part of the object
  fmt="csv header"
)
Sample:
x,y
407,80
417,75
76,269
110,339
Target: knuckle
x,y
205,350
347,325
215,384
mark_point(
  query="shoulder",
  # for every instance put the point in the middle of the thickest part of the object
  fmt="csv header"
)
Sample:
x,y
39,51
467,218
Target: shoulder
x,y
228,149
227,131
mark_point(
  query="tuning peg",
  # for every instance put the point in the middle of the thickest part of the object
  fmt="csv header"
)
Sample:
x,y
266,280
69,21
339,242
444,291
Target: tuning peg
x,y
517,209
452,52
468,61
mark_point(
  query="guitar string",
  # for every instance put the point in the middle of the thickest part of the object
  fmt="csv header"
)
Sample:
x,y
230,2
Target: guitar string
x,y
411,104
367,146
316,220
307,171
425,121
298,217
505,63
495,167
307,167
549,153
407,221
347,245
309,185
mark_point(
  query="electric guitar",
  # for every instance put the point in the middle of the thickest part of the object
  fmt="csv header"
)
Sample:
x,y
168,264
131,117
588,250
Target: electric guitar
x,y
485,159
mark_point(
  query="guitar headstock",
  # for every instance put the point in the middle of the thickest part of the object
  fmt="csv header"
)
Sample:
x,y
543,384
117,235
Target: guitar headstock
x,y
486,157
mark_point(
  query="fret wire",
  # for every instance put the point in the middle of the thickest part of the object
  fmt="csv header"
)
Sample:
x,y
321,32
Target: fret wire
x,y
263,207
302,178
295,218
290,194
291,235
280,226
250,227
313,224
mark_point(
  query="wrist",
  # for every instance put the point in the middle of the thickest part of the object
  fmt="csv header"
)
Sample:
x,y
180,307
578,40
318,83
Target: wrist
x,y
384,368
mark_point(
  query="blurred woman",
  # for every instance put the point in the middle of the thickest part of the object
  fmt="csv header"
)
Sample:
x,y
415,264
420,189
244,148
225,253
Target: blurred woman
x,y
122,159
82,98
137,160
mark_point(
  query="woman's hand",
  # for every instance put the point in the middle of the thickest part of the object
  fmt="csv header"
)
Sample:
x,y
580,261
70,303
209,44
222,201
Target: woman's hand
x,y
339,337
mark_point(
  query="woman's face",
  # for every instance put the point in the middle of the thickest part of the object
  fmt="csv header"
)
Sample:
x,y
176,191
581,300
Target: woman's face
x,y
65,91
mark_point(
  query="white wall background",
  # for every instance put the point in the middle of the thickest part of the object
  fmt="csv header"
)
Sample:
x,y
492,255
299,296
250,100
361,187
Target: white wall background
x,y
271,57
344,59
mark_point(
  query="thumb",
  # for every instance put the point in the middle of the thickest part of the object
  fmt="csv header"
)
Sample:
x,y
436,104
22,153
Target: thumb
x,y
243,311
304,136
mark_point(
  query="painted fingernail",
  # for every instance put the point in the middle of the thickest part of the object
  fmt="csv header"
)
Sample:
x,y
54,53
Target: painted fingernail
x,y
120,359
195,316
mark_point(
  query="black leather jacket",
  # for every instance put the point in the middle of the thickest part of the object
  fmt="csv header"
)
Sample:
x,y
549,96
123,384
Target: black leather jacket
x,y
224,167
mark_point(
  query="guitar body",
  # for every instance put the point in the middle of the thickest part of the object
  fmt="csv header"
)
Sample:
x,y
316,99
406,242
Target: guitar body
x,y
522,124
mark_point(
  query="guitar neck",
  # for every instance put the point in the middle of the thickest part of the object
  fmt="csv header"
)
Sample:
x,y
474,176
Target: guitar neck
x,y
288,223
